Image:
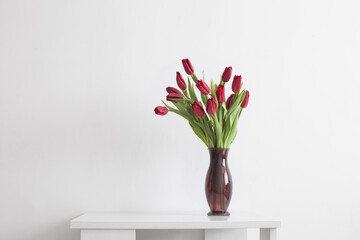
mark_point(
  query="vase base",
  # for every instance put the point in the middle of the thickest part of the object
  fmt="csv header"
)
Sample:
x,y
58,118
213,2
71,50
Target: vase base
x,y
218,213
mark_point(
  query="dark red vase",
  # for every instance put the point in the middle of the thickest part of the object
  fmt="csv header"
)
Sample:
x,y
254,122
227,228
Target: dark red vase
x,y
218,185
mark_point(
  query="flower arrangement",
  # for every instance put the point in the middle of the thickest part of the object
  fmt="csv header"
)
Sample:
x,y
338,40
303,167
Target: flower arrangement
x,y
217,127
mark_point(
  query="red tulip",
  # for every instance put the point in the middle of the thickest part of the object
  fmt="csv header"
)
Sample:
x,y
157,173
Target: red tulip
x,y
229,101
226,74
220,93
173,90
174,95
180,81
211,106
187,66
198,110
203,87
246,100
161,110
236,85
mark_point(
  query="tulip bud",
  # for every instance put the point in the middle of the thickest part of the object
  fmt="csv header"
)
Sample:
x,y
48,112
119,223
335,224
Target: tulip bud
x,y
226,74
246,100
211,106
180,81
174,95
220,93
198,110
187,66
161,110
236,85
173,90
203,87
229,101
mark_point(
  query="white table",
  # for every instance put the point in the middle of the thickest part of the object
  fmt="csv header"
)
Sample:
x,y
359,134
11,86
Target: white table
x,y
123,226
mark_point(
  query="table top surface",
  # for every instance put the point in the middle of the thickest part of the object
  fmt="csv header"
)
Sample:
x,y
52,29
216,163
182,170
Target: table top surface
x,y
123,220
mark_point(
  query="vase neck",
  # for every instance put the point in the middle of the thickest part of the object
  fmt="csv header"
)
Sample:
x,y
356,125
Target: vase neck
x,y
218,155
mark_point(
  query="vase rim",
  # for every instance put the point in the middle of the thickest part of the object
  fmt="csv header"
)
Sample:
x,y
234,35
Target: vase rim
x,y
217,148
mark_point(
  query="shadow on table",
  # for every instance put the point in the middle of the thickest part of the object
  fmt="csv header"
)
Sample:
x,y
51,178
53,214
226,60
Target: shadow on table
x,y
169,234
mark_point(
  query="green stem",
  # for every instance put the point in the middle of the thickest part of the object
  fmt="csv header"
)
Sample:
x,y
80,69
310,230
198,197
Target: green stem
x,y
193,76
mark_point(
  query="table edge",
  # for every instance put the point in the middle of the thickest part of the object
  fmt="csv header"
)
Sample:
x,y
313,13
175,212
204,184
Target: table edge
x,y
174,225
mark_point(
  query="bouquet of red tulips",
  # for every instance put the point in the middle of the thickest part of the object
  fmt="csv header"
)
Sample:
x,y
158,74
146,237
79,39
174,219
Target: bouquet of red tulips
x,y
217,127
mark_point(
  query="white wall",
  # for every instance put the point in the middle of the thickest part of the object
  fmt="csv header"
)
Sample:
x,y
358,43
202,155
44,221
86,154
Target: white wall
x,y
79,81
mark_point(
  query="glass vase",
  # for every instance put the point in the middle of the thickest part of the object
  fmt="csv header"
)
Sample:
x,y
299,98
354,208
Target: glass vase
x,y
218,184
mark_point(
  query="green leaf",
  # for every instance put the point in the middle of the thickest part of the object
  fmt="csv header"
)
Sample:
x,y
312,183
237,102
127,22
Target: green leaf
x,y
233,130
242,95
218,132
209,131
220,113
199,133
213,93
226,129
233,138
238,99
179,112
179,99
185,92
204,98
170,108
186,109
191,91
213,87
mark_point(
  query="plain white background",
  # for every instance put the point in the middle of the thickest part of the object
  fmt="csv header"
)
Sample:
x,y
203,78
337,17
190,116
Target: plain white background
x,y
79,81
